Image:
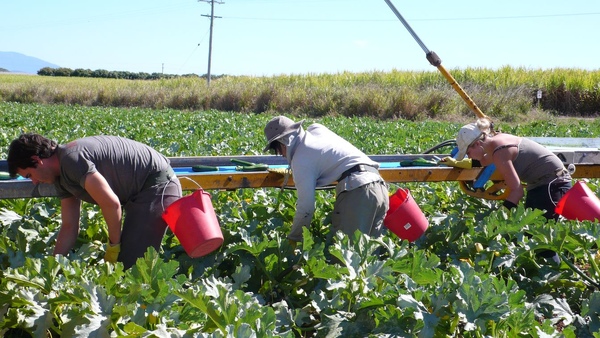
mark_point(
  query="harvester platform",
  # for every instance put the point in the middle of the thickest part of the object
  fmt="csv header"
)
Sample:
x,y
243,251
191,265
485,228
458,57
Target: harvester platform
x,y
584,154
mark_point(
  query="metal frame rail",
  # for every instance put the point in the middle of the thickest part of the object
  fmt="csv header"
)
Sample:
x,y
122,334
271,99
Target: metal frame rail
x,y
587,162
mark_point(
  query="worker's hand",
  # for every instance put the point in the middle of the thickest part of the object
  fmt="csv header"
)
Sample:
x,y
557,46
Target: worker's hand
x,y
293,243
112,252
451,162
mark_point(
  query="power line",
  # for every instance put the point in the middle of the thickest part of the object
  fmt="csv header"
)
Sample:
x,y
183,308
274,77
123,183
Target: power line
x,y
510,17
124,15
435,19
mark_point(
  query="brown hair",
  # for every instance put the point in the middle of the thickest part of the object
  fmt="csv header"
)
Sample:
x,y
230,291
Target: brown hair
x,y
22,149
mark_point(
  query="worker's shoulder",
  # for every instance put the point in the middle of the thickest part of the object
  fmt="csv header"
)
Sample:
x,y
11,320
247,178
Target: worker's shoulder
x,y
317,128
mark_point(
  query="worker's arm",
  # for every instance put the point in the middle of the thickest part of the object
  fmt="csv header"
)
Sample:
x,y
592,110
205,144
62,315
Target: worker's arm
x,y
305,181
69,230
503,162
102,193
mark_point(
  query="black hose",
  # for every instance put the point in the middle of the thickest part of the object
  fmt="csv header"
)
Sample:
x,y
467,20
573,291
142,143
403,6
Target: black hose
x,y
446,143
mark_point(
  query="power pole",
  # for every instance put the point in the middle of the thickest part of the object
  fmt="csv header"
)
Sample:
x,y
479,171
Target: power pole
x,y
212,18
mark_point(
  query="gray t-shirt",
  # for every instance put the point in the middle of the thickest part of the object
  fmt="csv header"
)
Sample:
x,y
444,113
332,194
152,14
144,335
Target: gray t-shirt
x,y
124,163
537,166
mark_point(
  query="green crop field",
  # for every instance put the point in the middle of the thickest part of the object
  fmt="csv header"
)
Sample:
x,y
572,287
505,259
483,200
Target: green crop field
x,y
474,273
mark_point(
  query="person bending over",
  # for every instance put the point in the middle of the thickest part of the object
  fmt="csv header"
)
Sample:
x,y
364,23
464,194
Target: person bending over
x,y
130,182
518,160
319,157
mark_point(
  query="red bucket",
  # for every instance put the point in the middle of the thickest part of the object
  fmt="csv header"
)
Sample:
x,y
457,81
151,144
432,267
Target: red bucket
x,y
579,203
194,222
405,218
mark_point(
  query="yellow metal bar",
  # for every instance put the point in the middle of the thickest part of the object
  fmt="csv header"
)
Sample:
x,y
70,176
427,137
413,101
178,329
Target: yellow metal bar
x,y
461,92
586,171
232,180
437,62
266,179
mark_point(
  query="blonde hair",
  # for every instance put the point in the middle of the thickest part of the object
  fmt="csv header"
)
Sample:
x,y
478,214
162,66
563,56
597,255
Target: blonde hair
x,y
486,127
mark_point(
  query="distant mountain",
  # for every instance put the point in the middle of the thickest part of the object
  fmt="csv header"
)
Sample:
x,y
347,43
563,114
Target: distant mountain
x,y
19,63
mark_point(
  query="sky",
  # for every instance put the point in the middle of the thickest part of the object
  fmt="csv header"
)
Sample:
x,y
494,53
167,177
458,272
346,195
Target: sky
x,y
294,37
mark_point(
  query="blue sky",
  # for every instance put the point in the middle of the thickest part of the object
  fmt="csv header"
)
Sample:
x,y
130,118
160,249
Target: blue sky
x,y
272,37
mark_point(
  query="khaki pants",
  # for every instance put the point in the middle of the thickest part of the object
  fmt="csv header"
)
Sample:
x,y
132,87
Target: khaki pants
x,y
361,209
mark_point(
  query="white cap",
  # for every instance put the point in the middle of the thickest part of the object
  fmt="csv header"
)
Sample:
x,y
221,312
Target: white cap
x,y
467,135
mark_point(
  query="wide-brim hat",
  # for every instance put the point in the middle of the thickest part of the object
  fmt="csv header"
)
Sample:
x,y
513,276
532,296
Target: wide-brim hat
x,y
279,127
466,136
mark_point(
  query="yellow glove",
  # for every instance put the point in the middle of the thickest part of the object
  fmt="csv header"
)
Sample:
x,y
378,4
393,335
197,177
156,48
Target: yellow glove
x,y
112,252
451,162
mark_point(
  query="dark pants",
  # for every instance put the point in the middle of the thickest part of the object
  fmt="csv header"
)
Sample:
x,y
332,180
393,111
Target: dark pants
x,y
540,198
143,225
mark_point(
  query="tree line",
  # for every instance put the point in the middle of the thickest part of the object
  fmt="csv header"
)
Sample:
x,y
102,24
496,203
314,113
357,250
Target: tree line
x,y
112,74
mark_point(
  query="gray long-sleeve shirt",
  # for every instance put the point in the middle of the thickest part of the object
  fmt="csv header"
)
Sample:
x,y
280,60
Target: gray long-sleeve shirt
x,y
318,157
